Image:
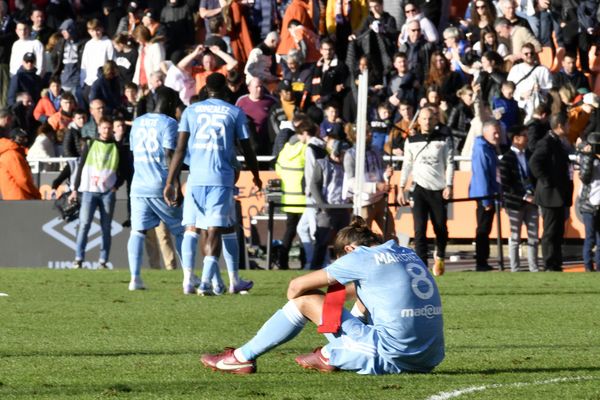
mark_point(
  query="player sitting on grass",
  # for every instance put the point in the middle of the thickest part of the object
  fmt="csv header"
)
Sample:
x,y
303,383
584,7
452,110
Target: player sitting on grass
x,y
395,325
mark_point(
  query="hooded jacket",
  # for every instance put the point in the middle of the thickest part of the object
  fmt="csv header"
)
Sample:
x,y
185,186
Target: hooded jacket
x,y
16,181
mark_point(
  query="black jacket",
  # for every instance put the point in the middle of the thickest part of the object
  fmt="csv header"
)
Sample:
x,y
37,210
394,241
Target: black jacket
x,y
514,185
586,174
25,81
550,165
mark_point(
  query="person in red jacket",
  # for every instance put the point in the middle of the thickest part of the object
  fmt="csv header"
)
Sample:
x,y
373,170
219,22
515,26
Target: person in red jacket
x,y
16,181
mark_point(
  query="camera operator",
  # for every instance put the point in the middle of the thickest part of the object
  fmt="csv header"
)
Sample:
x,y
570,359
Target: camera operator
x,y
589,198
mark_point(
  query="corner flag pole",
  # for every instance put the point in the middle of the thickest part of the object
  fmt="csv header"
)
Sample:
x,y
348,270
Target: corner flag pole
x,y
361,134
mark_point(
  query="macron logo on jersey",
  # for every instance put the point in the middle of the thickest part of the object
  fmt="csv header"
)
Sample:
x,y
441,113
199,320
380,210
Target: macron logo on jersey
x,y
391,258
429,311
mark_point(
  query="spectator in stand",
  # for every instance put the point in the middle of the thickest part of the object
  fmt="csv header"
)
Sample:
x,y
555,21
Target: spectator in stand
x,y
483,15
402,84
90,129
60,120
130,102
126,55
151,20
489,42
531,80
67,56
506,110
300,11
149,101
305,41
25,80
7,38
508,10
43,147
39,30
208,9
236,86
207,57
298,72
460,116
16,181
418,51
517,192
332,124
73,141
429,157
551,168
98,178
96,52
49,103
256,104
413,13
441,74
150,54
178,18
282,112
380,126
545,25
23,46
108,88
569,74
262,62
538,126
515,38
484,172
217,36
132,20
330,75
579,116
491,76
22,112
112,13
342,18
6,121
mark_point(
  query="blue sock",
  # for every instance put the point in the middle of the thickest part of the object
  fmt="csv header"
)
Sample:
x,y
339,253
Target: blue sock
x,y
231,254
135,247
189,244
283,326
211,265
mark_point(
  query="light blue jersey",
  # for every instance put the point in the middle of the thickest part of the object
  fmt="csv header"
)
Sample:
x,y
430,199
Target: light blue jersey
x,y
213,125
404,305
150,135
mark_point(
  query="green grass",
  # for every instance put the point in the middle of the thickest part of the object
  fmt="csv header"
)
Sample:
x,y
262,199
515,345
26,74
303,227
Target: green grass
x,y
82,335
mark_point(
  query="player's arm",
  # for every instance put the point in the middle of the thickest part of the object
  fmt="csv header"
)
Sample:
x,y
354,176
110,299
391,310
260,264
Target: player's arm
x,y
170,193
178,194
309,282
251,161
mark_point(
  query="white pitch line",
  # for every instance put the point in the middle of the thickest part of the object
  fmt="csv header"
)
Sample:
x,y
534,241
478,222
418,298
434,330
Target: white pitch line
x,y
459,392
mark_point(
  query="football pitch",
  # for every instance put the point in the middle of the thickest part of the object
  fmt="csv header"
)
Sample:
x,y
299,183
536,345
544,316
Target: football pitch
x,y
67,334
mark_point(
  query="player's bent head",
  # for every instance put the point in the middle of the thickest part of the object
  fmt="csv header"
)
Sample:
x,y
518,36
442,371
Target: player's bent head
x,y
166,102
357,233
215,84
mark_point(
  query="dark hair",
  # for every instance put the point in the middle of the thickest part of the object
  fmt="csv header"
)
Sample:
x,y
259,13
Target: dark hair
x,y
80,111
307,126
558,119
130,85
327,41
55,79
215,23
357,233
68,96
515,131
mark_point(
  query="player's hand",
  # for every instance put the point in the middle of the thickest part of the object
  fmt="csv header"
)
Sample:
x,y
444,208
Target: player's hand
x,y
447,193
170,195
257,182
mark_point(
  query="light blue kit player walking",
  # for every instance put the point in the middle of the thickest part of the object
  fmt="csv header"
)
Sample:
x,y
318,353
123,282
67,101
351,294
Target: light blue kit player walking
x,y
208,132
153,140
395,326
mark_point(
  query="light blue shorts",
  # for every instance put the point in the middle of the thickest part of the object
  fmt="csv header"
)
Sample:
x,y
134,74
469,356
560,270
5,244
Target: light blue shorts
x,y
209,206
147,212
354,348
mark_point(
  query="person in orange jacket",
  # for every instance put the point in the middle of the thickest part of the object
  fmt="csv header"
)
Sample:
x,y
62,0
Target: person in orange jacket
x,y
16,181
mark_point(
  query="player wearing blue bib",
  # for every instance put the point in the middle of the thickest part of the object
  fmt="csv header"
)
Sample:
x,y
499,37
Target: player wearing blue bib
x,y
208,131
395,326
153,140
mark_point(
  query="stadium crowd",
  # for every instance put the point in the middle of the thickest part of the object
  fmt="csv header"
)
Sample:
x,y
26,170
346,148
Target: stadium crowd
x,y
476,78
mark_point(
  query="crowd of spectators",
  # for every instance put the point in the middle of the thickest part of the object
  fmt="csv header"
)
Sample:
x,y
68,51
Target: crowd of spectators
x,y
65,64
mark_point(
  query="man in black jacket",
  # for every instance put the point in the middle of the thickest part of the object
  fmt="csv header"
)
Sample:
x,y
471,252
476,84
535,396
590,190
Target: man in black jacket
x,y
551,167
26,80
517,190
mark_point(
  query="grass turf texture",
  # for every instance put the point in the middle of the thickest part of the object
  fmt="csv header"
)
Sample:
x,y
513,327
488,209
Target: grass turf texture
x,y
82,335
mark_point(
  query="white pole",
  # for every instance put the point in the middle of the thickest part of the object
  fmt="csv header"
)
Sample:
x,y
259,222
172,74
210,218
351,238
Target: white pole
x,y
361,134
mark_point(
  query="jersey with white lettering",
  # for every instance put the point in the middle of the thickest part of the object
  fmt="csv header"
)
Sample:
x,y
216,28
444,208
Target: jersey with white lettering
x,y
213,125
403,301
150,135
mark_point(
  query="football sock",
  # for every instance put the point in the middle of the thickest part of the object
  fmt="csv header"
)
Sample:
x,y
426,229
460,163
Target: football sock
x,y
283,326
135,247
231,254
178,244
189,244
210,268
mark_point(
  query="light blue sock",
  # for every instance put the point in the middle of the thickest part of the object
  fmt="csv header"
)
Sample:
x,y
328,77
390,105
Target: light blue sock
x,y
216,279
231,254
189,244
178,244
283,326
210,267
135,248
